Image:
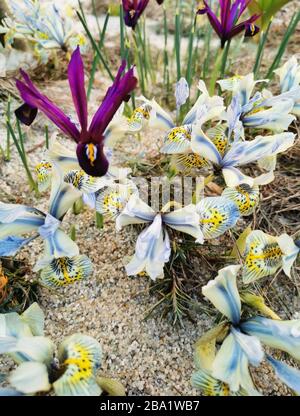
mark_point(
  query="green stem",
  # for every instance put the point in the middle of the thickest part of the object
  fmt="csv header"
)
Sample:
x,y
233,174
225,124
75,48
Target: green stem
x,y
99,220
177,43
224,59
260,50
47,136
95,46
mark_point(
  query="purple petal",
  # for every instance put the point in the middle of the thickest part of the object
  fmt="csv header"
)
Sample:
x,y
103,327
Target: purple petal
x,y
133,10
31,95
26,114
242,26
225,11
76,82
92,159
114,97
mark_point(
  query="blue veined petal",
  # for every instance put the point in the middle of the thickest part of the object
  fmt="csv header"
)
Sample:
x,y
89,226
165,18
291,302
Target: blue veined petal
x,y
23,225
113,199
34,317
139,118
289,375
11,212
81,356
290,252
283,335
262,257
35,348
10,245
243,153
12,325
182,92
177,140
159,118
289,74
210,386
212,106
245,197
204,146
66,270
57,245
250,345
44,174
233,118
135,212
62,196
231,366
223,293
152,251
216,216
86,183
186,162
276,119
185,220
293,94
30,377
61,156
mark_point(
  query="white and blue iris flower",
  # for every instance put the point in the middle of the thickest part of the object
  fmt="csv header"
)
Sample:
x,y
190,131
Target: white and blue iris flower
x,y
216,216
265,254
289,75
152,248
49,25
67,161
239,153
257,111
17,220
243,343
177,139
71,373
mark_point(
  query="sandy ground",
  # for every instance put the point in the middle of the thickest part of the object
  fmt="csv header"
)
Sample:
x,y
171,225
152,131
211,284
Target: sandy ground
x,y
151,357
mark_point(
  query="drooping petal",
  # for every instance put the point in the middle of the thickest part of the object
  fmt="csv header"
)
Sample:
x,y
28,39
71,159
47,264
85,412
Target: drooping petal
x,y
223,293
177,140
57,245
290,252
159,118
76,82
289,74
35,318
63,157
152,251
185,220
44,174
12,212
185,163
30,377
216,216
289,375
81,356
210,386
26,114
283,335
62,196
66,270
86,183
204,146
35,99
10,245
135,212
139,118
245,197
263,256
112,200
231,366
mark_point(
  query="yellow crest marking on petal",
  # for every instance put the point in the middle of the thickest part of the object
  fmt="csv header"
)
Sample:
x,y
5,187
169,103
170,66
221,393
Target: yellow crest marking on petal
x,y
177,134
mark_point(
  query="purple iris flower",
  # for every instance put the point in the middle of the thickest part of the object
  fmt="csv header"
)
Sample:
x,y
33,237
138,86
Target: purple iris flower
x,y
90,140
133,10
228,26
